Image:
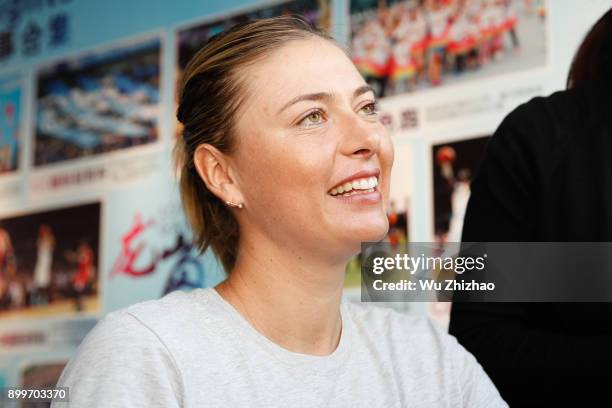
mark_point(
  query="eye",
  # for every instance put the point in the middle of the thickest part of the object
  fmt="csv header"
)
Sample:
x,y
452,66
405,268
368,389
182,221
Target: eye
x,y
315,117
371,109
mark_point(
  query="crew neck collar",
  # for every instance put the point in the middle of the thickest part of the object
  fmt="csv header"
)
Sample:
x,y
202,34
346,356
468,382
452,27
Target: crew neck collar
x,y
321,364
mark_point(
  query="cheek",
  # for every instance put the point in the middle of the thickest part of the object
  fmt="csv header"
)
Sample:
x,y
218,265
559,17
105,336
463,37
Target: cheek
x,y
291,174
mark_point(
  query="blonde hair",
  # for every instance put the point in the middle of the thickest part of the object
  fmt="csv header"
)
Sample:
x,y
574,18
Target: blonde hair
x,y
210,94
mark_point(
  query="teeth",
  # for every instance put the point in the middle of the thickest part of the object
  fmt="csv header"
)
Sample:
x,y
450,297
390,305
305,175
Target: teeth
x,y
366,184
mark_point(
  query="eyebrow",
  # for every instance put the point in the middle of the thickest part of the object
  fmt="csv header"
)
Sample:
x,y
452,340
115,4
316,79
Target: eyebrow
x,y
318,96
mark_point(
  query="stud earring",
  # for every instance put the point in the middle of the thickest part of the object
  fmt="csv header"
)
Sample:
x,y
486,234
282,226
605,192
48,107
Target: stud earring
x,y
230,204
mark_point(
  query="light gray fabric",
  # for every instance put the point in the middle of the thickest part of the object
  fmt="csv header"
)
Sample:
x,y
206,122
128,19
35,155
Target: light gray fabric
x,y
193,349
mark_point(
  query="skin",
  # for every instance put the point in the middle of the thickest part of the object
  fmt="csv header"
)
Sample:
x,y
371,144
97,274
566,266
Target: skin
x,y
295,237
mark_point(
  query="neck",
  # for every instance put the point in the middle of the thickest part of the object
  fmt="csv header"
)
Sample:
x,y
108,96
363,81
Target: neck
x,y
287,295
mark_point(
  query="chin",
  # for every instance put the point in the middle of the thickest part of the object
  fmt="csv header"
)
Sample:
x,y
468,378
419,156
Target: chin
x,y
373,231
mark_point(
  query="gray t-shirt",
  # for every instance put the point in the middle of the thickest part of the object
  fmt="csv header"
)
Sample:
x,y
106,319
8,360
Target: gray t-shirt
x,y
193,349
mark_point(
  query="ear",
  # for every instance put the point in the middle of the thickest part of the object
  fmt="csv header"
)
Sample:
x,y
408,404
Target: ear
x,y
213,167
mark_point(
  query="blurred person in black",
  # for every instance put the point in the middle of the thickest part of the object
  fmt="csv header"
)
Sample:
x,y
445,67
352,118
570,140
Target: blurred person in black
x,y
547,176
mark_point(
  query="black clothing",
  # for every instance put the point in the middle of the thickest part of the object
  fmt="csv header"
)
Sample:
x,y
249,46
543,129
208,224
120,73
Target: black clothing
x,y
546,176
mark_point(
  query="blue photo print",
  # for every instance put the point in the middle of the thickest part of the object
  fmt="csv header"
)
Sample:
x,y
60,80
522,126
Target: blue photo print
x,y
98,103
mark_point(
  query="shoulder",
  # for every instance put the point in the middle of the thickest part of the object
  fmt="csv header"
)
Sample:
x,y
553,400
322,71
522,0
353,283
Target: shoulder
x,y
539,119
121,361
421,349
533,135
150,328
544,130
555,104
417,332
181,321
173,309
565,111
418,339
117,336
143,326
138,352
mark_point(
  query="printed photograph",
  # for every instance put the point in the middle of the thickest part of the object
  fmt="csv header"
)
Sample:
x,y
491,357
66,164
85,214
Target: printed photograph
x,y
98,103
10,124
454,165
190,40
402,46
49,262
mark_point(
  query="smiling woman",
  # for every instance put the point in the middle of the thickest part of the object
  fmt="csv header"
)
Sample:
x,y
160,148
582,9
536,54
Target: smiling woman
x,y
306,127
285,170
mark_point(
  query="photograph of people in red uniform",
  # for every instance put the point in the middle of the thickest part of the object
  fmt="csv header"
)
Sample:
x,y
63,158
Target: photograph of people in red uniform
x,y
401,46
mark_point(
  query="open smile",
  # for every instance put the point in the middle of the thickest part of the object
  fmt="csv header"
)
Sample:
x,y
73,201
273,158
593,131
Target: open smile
x,y
362,187
358,186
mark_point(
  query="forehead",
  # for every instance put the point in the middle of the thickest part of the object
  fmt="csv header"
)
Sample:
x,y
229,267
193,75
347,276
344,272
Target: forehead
x,y
302,67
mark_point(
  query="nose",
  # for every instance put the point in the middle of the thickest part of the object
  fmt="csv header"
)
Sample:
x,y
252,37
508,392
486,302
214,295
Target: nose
x,y
360,137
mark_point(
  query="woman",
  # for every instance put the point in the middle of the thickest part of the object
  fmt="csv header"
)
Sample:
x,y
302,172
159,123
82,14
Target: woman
x,y
547,176
284,172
